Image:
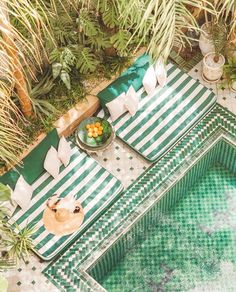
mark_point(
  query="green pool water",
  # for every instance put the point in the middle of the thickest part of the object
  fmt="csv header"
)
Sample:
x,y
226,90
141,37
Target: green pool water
x,y
193,246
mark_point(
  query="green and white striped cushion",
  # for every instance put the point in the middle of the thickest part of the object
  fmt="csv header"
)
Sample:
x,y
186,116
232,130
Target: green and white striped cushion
x,y
91,184
164,117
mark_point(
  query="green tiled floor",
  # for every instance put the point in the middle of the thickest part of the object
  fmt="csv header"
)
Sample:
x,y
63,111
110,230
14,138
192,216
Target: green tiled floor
x,y
191,247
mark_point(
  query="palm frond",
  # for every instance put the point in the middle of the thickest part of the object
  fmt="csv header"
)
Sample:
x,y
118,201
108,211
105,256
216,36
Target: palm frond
x,y
12,139
163,22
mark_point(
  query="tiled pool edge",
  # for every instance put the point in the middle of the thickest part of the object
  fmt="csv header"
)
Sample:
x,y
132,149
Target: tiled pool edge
x,y
64,273
159,206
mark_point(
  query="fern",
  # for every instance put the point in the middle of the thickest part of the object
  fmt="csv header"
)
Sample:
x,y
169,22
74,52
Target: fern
x,y
86,62
120,40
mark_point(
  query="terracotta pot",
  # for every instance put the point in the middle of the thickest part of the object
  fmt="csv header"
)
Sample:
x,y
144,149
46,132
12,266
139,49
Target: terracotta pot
x,y
206,44
212,70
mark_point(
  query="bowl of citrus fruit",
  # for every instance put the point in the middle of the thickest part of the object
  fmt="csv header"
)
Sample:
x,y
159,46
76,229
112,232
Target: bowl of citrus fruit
x,y
94,132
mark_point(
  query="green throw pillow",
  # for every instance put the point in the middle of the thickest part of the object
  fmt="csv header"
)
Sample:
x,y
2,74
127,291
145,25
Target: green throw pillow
x,y
132,76
32,166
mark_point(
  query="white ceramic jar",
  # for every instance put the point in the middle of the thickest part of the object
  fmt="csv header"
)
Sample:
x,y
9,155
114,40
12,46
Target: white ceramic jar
x,y
206,44
212,71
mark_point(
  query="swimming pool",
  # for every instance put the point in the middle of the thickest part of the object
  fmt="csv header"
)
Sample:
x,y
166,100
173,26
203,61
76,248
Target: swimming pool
x,y
145,204
186,240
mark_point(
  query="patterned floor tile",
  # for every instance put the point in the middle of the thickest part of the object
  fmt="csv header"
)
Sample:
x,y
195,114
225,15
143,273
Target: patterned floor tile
x,y
225,96
126,165
122,162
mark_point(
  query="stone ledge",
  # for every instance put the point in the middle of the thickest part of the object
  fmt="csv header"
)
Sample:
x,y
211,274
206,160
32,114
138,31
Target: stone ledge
x,y
68,122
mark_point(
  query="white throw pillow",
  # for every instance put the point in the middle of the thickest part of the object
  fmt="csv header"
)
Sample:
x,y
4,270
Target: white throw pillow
x,y
117,107
131,101
160,71
52,162
64,151
150,80
22,193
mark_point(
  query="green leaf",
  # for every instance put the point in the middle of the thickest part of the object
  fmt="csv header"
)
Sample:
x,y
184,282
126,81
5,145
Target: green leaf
x,y
67,58
65,77
86,62
99,42
56,69
87,24
120,41
55,56
5,193
109,13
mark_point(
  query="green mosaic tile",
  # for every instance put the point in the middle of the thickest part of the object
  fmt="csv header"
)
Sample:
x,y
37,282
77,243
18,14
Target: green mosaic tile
x,y
66,272
186,66
188,245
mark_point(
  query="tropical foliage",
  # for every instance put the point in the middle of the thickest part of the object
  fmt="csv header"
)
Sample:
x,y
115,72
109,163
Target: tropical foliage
x,y
45,42
12,138
84,38
162,23
22,28
230,70
14,243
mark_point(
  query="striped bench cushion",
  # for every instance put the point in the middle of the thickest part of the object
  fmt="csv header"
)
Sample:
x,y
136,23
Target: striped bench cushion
x,y
164,117
91,184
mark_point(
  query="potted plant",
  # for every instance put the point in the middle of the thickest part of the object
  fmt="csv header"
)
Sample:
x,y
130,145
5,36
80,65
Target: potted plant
x,y
213,62
206,44
217,35
230,73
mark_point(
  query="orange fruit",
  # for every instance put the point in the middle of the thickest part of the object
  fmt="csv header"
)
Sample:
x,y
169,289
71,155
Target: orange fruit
x,y
97,124
99,133
92,126
100,128
90,134
95,135
88,126
95,129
